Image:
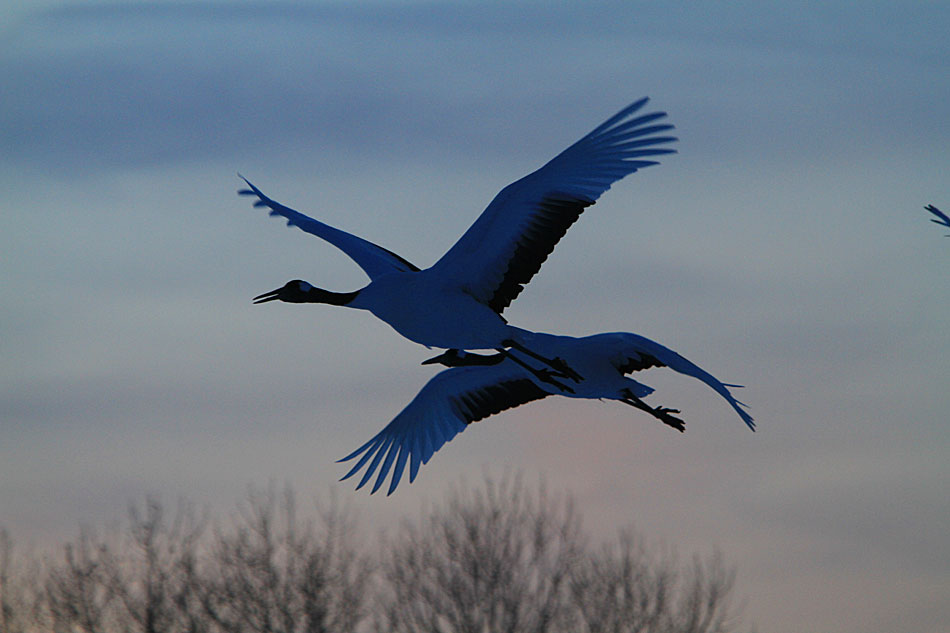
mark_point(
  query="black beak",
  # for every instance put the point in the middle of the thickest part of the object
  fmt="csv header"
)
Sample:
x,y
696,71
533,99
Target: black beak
x,y
437,360
268,296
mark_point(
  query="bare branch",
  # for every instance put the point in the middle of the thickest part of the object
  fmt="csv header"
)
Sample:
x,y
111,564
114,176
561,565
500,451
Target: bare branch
x,y
273,572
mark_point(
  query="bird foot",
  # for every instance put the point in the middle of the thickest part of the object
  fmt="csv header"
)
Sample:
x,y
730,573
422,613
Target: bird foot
x,y
664,415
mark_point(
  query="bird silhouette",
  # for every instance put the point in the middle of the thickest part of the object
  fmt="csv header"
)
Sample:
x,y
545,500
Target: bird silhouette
x,y
457,303
478,386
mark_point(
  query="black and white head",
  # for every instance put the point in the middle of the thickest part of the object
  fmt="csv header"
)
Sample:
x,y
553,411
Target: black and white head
x,y
299,291
461,358
296,291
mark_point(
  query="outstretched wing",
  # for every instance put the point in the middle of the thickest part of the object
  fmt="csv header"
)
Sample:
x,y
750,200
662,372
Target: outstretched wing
x,y
510,240
639,352
450,401
374,260
941,218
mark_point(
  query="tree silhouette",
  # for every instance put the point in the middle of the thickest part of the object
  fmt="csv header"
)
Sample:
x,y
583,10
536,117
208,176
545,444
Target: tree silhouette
x,y
492,559
272,572
496,557
154,579
504,558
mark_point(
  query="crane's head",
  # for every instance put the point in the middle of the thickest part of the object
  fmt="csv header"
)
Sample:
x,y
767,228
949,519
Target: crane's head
x,y
461,358
296,291
299,291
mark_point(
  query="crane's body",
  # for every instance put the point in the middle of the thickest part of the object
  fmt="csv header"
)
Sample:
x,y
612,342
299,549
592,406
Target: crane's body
x,y
456,320
478,386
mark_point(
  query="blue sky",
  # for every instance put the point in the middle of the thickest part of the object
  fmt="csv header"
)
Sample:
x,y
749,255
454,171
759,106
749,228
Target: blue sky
x,y
785,248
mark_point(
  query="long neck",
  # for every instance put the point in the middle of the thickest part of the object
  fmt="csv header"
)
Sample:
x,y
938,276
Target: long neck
x,y
319,295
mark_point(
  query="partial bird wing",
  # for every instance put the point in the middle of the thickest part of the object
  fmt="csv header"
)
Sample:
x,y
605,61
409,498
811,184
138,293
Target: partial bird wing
x,y
374,260
941,218
510,240
639,353
451,400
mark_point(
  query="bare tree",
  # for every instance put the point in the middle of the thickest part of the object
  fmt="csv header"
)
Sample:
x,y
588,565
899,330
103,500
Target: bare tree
x,y
503,558
7,601
78,594
703,600
154,577
17,591
270,572
274,573
22,601
493,559
625,586
620,588
496,558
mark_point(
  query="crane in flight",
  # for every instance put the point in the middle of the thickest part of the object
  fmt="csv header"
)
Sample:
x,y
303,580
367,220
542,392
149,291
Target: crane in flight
x,y
478,386
457,303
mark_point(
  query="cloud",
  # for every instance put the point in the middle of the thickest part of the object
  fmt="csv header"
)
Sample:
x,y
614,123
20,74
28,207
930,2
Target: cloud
x,y
138,84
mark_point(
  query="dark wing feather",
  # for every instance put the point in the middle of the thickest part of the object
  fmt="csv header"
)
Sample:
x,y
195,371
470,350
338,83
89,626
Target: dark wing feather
x,y
451,400
509,241
638,361
545,227
941,218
